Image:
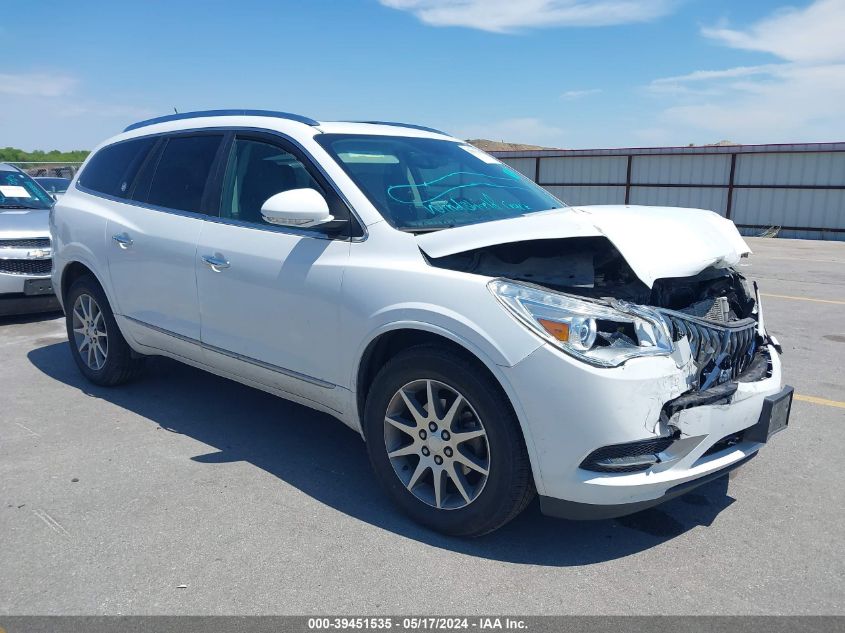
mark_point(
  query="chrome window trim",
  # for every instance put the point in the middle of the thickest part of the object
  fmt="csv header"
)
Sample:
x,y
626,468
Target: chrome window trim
x,y
217,218
247,359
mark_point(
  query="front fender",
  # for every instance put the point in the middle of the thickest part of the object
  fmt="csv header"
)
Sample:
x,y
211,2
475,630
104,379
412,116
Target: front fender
x,y
453,328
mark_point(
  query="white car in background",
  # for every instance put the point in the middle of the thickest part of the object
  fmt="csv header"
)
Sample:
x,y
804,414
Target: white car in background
x,y
25,251
486,340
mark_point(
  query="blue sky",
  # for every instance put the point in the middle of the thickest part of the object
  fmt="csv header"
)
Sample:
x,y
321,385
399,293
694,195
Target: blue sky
x,y
567,73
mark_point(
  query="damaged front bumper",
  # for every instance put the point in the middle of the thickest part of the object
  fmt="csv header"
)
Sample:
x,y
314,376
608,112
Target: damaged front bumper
x,y
570,410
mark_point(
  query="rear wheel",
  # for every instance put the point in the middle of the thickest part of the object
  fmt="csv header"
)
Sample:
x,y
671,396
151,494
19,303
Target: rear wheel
x,y
97,345
444,441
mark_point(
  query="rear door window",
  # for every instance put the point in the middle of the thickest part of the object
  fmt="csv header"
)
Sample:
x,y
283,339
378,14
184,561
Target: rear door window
x,y
111,170
182,172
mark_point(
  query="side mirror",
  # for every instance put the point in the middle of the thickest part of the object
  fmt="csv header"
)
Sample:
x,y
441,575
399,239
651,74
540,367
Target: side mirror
x,y
296,207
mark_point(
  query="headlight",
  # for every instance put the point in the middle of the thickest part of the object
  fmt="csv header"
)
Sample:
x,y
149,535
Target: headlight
x,y
593,332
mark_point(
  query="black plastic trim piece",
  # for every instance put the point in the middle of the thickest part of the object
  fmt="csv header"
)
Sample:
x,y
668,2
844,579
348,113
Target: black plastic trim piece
x,y
640,448
761,432
575,511
210,113
715,395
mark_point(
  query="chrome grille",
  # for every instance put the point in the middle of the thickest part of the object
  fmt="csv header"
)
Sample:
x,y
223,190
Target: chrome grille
x,y
35,242
720,352
36,267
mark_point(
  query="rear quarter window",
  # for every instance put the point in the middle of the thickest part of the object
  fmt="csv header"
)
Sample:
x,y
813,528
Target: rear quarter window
x,y
111,170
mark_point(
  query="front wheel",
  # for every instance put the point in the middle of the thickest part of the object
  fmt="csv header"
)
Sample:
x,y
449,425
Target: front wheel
x,y
445,443
97,345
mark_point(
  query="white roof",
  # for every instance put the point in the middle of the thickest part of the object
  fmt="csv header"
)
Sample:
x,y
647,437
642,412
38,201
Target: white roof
x,y
283,122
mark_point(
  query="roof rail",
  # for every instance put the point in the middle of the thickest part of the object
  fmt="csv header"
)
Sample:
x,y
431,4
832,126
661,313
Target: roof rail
x,y
407,125
208,113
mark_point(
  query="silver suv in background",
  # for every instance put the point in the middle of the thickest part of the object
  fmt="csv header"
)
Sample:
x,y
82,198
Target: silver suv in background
x,y
25,248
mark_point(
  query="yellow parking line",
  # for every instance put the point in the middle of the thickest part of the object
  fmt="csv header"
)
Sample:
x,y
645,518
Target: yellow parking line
x,y
822,401
841,303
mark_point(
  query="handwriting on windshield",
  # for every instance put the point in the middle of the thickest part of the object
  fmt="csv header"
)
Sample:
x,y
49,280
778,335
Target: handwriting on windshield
x,y
484,203
437,196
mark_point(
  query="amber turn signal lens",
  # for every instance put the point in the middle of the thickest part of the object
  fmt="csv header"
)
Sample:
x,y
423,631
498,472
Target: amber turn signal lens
x,y
559,330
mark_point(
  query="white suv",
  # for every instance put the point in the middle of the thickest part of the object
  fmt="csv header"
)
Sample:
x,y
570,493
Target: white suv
x,y
486,340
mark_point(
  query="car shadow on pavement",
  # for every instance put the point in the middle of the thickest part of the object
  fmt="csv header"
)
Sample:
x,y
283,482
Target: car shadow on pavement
x,y
326,460
22,319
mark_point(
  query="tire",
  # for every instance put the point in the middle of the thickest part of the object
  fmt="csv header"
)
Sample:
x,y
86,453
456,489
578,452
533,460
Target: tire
x,y
446,378
107,359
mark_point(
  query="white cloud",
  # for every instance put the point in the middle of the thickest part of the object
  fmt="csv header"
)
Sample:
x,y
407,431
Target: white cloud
x,y
572,95
529,130
709,75
812,34
710,83
36,84
791,103
502,16
47,111
801,98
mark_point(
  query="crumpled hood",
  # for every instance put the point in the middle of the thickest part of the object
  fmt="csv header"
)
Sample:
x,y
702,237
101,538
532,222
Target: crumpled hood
x,y
656,242
24,223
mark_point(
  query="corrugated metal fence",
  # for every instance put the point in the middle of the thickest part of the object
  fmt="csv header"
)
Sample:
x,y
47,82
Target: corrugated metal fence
x,y
798,188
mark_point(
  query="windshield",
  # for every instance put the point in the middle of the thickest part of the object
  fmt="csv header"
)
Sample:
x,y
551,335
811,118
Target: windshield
x,y
427,184
17,190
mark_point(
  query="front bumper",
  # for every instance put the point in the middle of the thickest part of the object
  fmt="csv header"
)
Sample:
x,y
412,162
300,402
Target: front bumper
x,y
23,304
569,409
562,509
24,294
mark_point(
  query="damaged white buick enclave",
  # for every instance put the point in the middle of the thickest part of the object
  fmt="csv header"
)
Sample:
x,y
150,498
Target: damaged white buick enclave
x,y
487,341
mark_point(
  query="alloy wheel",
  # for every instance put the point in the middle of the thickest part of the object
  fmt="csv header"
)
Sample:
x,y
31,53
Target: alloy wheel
x,y
437,444
89,332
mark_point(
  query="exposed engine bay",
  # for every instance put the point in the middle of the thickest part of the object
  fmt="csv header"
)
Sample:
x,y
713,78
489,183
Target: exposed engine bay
x,y
713,312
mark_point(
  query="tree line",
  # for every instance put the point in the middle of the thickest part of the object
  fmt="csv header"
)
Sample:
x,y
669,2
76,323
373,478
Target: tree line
x,y
15,155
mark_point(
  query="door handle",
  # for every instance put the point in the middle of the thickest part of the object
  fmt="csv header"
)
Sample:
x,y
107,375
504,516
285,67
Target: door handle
x,y
216,262
123,240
